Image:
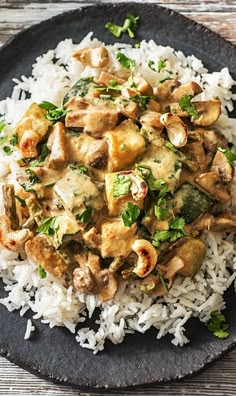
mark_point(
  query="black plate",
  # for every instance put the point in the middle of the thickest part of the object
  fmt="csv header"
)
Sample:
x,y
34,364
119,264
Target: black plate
x,y
141,359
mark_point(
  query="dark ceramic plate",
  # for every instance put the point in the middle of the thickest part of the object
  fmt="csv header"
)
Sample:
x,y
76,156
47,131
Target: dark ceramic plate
x,y
141,359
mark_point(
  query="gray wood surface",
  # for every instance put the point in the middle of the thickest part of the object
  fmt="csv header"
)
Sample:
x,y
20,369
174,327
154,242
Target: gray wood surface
x,y
220,378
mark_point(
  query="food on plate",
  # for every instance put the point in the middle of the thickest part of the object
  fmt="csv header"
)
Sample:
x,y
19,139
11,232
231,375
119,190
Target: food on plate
x,y
114,184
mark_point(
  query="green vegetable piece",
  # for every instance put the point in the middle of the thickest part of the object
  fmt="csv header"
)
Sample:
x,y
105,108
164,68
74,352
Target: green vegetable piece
x,y
160,212
33,178
44,153
2,125
80,88
164,79
231,157
114,29
41,271
153,184
151,64
85,216
186,105
49,226
122,146
176,231
130,25
22,201
125,62
121,185
14,139
190,202
130,215
54,113
171,147
161,65
163,284
217,325
7,150
141,101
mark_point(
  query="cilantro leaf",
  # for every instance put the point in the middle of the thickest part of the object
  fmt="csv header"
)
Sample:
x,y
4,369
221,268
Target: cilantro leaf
x,y
217,325
231,157
121,185
14,140
160,212
49,226
33,178
130,25
161,65
54,113
41,271
176,231
22,201
130,215
7,150
153,184
141,101
186,105
81,168
80,88
122,146
125,61
2,125
85,216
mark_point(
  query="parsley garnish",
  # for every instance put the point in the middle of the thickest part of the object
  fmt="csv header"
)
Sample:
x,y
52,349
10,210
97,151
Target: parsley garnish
x,y
85,216
7,150
130,25
41,271
125,61
186,105
14,140
81,168
137,45
54,113
153,184
22,201
122,146
130,215
80,88
49,226
121,185
217,325
231,157
176,231
33,178
160,212
141,101
161,65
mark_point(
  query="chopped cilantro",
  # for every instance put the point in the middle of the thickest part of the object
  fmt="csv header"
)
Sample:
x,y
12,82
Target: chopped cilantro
x,y
85,216
14,139
80,88
130,215
217,325
49,226
22,201
44,153
141,101
186,105
41,271
33,178
121,185
81,168
151,64
129,26
125,61
231,157
54,113
153,184
160,212
122,146
161,65
176,231
7,150
137,45
2,125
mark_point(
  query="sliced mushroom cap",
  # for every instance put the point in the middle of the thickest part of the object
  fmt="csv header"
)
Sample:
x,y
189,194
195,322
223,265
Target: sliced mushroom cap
x,y
192,89
212,184
151,119
192,252
197,153
225,222
94,57
138,188
83,280
166,88
147,257
221,165
13,240
208,111
176,129
143,86
109,285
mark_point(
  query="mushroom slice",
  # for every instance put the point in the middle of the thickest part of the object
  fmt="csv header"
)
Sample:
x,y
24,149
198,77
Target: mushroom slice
x,y
138,188
147,257
209,112
143,86
176,109
197,153
203,222
176,129
83,280
192,89
94,57
166,88
106,78
9,201
109,285
212,184
151,119
221,165
225,222
13,240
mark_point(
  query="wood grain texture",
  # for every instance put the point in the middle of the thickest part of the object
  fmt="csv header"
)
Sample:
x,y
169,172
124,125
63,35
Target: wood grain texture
x,y
220,378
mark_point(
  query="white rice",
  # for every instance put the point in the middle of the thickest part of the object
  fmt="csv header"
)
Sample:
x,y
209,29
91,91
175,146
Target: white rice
x,y
130,310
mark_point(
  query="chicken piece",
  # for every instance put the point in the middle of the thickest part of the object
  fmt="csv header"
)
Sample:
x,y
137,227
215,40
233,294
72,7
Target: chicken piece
x,y
11,239
94,57
116,204
125,144
106,78
128,109
117,239
30,130
57,145
94,120
40,251
89,151
92,238
143,86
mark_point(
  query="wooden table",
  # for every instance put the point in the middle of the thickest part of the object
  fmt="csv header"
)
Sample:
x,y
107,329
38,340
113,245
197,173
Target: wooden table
x,y
220,378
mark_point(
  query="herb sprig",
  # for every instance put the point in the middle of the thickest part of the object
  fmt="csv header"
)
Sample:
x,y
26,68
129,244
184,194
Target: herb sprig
x,y
130,215
186,105
217,325
129,26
